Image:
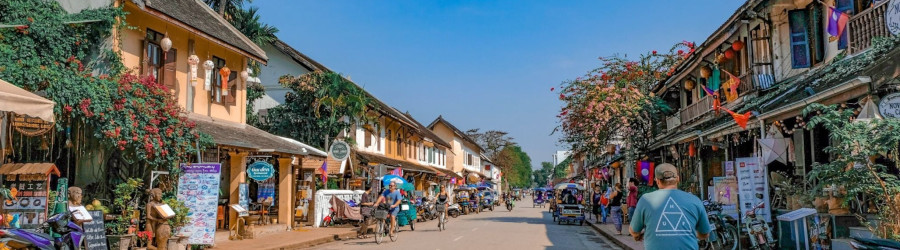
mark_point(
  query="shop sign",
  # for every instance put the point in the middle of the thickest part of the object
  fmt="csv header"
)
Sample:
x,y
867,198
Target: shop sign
x,y
753,186
31,126
890,105
339,150
198,188
892,17
356,183
260,171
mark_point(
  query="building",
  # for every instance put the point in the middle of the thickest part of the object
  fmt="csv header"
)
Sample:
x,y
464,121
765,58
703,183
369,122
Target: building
x,y
466,153
560,156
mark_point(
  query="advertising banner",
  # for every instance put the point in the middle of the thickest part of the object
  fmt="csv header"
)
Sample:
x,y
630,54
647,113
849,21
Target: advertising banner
x,y
725,191
753,186
198,188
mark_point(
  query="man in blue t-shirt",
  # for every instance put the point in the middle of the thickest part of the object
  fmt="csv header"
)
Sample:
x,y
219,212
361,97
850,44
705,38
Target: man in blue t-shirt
x,y
392,197
669,218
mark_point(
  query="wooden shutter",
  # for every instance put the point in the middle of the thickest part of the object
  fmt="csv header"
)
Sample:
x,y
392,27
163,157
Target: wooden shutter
x,y
368,137
816,31
145,60
169,67
230,99
799,21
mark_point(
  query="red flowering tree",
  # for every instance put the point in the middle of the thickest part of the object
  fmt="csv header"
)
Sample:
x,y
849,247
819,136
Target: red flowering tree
x,y
614,101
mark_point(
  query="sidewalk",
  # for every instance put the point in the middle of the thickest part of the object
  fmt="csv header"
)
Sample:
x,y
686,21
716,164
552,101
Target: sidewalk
x,y
296,239
625,241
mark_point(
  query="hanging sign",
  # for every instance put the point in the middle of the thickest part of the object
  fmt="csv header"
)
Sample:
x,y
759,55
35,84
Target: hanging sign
x,y
31,126
198,188
30,205
890,105
892,17
260,171
339,150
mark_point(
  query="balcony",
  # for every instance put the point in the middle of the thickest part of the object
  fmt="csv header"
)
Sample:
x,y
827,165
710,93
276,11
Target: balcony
x,y
697,109
673,122
865,26
747,85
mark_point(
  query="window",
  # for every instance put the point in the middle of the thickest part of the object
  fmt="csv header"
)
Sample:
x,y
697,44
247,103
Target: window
x,y
798,22
154,59
368,137
388,137
762,56
378,136
217,80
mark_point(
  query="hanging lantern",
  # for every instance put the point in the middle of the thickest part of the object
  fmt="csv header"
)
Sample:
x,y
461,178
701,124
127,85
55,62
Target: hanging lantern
x,y
720,58
165,44
208,66
705,71
44,145
193,61
737,45
689,84
729,54
224,72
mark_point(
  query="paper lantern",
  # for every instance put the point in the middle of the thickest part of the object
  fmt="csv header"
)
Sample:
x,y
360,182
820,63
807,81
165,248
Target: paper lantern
x,y
224,72
737,45
729,54
689,84
208,66
705,71
165,44
720,58
193,62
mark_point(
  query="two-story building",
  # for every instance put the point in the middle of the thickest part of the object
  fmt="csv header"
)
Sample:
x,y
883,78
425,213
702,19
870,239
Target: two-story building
x,y
466,153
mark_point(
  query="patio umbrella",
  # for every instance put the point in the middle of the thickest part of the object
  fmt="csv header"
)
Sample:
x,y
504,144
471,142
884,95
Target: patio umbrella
x,y
774,148
385,180
23,102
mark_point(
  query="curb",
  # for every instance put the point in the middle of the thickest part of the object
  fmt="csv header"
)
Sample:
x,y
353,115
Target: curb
x,y
319,241
615,240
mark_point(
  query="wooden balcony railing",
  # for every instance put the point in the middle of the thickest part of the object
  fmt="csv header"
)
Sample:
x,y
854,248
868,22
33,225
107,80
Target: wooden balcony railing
x,y
747,85
697,109
865,26
673,122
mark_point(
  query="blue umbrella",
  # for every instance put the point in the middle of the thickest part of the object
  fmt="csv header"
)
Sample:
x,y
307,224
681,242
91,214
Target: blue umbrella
x,y
386,180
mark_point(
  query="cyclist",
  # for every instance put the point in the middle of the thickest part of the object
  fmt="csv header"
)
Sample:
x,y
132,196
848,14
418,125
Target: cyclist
x,y
392,197
442,199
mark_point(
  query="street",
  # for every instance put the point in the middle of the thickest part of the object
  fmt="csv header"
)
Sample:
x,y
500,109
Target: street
x,y
523,228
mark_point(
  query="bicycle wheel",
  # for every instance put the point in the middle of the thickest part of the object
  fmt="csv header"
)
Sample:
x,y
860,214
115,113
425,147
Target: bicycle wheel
x,y
395,233
441,222
379,232
729,238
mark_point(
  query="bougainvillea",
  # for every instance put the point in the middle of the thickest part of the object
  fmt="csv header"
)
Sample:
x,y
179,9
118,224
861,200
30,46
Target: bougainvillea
x,y
614,100
56,54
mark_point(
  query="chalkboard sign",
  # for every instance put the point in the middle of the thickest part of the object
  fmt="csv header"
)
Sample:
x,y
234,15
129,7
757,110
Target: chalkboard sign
x,y
95,232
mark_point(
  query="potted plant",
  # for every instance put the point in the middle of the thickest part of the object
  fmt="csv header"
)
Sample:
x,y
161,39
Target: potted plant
x,y
177,241
144,239
120,230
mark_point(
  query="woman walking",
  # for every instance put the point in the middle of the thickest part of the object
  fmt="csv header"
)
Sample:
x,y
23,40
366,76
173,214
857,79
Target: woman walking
x,y
615,204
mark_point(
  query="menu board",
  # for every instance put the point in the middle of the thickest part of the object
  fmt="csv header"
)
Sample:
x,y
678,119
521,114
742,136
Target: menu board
x,y
95,232
198,188
244,196
265,190
752,181
29,209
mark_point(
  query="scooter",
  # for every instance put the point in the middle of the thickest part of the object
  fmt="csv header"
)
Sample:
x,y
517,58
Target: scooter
x,y
864,243
509,205
428,211
72,235
758,230
453,210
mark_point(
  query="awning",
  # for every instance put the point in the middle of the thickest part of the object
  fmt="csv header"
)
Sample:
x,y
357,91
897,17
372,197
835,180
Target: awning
x,y
365,157
241,135
29,168
23,102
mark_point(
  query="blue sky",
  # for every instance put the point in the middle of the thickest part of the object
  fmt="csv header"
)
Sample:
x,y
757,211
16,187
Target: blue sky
x,y
485,64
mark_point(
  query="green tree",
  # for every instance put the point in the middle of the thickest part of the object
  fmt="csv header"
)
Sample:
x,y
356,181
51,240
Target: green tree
x,y
518,172
562,169
320,104
541,176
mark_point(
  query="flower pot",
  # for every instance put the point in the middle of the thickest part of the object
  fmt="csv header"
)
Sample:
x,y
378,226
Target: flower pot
x,y
177,243
120,242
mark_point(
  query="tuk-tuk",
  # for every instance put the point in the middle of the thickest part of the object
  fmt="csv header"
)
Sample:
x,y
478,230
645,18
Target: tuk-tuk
x,y
539,197
568,208
407,214
464,199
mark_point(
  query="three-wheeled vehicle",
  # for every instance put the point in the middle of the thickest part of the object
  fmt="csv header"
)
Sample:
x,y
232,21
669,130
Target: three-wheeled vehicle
x,y
407,214
463,199
487,199
539,197
567,208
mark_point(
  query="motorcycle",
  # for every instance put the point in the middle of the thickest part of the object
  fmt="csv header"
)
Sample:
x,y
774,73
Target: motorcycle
x,y
509,205
71,235
427,211
759,232
453,210
724,234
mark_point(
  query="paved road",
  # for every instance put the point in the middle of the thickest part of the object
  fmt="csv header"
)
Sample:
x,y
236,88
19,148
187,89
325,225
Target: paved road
x,y
523,228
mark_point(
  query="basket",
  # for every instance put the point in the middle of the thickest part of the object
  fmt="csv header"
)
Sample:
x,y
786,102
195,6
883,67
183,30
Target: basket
x,y
439,208
381,214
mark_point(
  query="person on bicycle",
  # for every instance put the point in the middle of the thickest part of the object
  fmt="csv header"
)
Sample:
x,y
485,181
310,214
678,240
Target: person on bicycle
x,y
442,199
393,198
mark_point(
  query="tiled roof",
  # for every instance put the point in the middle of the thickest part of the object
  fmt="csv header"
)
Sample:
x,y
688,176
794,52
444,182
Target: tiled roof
x,y
459,133
242,135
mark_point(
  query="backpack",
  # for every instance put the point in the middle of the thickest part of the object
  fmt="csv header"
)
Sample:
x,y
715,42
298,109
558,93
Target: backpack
x,y
604,200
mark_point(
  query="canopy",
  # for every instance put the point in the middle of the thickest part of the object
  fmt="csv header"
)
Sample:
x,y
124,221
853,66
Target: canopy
x,y
29,168
20,101
385,180
562,186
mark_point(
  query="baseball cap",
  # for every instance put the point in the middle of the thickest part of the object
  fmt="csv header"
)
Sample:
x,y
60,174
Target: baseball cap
x,y
666,171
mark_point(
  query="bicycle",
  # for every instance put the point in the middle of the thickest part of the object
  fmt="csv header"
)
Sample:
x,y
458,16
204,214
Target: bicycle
x,y
383,227
442,216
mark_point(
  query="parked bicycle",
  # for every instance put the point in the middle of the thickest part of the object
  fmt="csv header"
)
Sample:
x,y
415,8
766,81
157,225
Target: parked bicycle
x,y
758,230
724,234
384,225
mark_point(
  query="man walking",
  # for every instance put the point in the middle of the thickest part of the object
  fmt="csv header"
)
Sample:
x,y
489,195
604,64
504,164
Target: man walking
x,y
632,200
669,218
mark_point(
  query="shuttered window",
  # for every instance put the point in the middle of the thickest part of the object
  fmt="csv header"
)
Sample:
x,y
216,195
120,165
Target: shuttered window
x,y
799,24
368,137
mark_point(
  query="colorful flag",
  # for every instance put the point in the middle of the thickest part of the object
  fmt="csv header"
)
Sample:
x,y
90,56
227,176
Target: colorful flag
x,y
837,21
645,169
732,85
397,171
324,172
741,119
707,90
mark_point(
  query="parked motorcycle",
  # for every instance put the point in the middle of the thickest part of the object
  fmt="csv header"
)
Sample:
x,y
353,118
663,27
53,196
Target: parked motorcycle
x,y
62,224
427,211
759,232
873,244
724,234
453,210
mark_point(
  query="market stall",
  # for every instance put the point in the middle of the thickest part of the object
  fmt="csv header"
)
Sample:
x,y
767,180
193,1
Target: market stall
x,y
31,183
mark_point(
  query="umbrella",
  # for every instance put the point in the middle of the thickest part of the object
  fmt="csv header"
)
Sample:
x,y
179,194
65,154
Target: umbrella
x,y
20,101
388,178
774,148
562,186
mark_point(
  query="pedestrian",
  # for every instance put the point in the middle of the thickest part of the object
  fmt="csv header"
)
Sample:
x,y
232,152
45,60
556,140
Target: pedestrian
x,y
598,208
615,207
656,211
366,209
632,200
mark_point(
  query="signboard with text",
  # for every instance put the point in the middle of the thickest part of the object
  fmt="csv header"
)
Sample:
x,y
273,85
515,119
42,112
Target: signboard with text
x,y
95,232
890,106
260,171
198,188
753,186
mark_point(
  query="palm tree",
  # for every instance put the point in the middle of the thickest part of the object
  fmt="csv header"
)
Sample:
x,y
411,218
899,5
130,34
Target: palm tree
x,y
226,8
247,22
